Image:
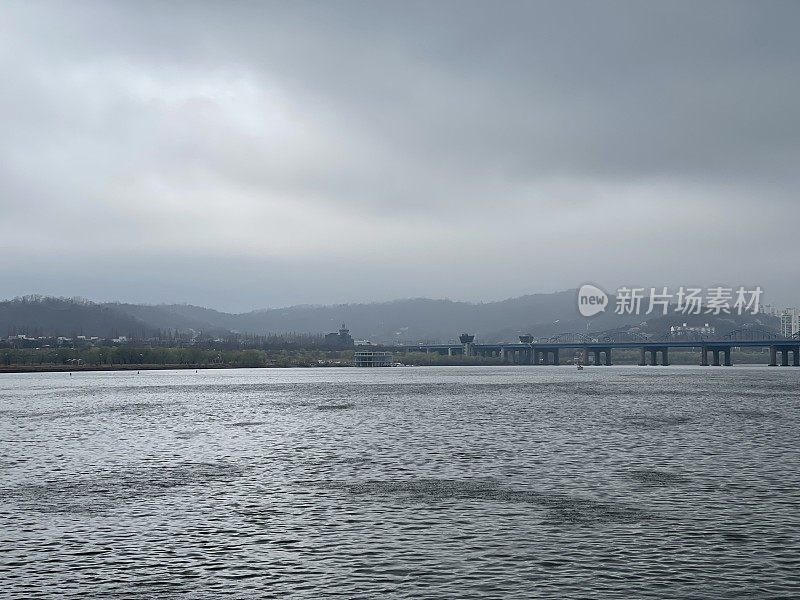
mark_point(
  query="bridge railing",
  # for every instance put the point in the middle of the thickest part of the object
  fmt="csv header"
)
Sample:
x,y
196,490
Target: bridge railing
x,y
742,334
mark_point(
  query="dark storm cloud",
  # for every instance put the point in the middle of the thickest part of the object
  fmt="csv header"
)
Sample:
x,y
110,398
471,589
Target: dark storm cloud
x,y
403,140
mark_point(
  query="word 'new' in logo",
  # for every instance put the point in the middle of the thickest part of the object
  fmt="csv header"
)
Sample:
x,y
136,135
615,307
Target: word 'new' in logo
x,y
591,300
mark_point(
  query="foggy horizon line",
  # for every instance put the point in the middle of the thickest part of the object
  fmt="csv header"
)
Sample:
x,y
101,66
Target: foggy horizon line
x,y
83,299
210,306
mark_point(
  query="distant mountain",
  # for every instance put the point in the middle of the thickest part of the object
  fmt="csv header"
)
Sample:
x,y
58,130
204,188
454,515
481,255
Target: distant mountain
x,y
176,317
399,321
408,320
44,316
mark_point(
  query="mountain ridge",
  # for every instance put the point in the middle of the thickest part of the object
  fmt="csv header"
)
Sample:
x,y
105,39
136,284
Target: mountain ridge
x,y
409,320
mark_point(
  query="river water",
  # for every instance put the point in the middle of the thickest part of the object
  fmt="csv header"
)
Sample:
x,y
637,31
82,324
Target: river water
x,y
460,482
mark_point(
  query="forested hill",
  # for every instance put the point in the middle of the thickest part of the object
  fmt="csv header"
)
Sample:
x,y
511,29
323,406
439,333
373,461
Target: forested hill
x,y
399,321
45,316
408,320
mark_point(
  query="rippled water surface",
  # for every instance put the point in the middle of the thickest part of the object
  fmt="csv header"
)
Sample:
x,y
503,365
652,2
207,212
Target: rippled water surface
x,y
457,482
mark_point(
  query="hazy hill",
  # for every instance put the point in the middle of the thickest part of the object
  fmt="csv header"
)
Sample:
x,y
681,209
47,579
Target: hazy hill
x,y
36,316
399,321
176,317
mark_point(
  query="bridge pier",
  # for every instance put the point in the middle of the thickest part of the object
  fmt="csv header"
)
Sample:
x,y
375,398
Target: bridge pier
x,y
602,356
703,356
585,356
642,357
726,356
547,356
654,356
784,351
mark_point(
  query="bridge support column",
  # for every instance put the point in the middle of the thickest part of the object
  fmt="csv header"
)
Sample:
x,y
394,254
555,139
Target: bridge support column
x,y
796,355
642,357
665,357
545,357
773,356
608,357
585,359
727,362
596,357
555,356
784,357
715,353
703,356
653,358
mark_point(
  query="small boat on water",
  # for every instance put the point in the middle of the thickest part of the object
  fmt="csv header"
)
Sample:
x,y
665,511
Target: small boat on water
x,y
580,367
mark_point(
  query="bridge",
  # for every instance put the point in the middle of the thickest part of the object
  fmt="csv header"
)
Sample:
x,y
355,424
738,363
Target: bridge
x,y
597,347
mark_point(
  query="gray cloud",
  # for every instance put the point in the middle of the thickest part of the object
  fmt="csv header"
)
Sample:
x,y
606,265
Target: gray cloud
x,y
318,152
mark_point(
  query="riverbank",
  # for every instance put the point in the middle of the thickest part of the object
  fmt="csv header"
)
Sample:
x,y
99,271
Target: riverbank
x,y
144,367
127,358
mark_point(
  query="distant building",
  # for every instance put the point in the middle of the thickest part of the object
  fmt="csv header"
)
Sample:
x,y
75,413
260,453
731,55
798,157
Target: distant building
x,y
768,309
691,330
342,339
790,321
368,358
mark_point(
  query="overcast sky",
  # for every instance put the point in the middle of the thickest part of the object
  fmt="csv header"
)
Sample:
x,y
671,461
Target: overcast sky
x,y
244,155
